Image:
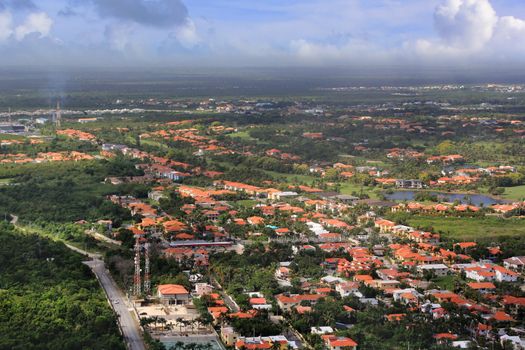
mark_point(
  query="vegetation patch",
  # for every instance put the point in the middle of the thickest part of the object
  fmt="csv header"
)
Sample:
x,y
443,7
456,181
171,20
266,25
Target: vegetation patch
x,y
49,299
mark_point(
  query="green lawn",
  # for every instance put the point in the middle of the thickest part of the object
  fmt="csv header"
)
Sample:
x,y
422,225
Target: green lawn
x,y
445,282
517,192
154,144
292,178
349,188
242,135
5,182
11,137
246,203
456,228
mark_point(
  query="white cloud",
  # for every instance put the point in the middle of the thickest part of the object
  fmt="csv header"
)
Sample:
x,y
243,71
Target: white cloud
x,y
510,28
467,24
6,22
470,29
38,22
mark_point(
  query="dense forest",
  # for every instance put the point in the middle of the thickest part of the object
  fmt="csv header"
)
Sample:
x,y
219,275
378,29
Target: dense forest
x,y
64,192
49,299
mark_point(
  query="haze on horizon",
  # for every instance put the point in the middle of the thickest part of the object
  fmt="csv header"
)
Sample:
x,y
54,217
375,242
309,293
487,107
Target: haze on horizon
x,y
271,33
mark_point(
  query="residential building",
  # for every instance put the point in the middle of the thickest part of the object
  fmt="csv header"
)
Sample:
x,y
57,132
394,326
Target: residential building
x,y
173,294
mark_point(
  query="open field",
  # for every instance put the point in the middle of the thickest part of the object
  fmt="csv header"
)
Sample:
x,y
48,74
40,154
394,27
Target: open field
x,y
349,188
244,135
516,193
11,137
292,178
246,203
470,228
445,282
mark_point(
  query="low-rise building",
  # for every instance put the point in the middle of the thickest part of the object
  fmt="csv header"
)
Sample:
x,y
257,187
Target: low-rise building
x,y
173,294
438,270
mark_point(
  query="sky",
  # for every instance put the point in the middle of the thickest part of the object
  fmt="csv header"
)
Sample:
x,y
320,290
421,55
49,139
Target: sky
x,y
252,33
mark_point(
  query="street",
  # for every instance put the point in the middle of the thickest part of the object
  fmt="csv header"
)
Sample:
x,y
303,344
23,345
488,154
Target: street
x,y
128,324
228,300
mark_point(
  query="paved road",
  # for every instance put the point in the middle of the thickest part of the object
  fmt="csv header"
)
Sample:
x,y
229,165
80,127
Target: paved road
x,y
102,238
128,324
230,303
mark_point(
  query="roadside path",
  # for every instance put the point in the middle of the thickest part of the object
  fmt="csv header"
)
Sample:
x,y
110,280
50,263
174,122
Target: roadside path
x,y
126,321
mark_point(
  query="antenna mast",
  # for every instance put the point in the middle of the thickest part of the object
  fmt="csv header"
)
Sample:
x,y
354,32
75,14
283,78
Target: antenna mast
x,y
58,115
136,278
147,282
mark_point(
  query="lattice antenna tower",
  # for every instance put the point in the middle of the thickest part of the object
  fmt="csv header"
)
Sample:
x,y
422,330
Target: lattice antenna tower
x,y
137,288
58,115
147,281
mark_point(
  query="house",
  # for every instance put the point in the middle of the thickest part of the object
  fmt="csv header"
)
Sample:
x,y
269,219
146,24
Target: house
x,y
229,336
445,338
279,342
162,171
339,343
255,220
330,237
281,195
286,303
407,296
438,270
322,330
173,294
409,184
516,263
347,288
482,287
480,274
462,344
252,344
203,289
385,226
283,273
505,275
378,250
517,342
239,187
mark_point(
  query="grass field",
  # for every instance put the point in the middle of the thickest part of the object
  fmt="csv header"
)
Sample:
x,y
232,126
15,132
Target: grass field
x,y
349,188
246,203
445,282
242,135
517,192
11,137
292,178
455,228
154,144
4,182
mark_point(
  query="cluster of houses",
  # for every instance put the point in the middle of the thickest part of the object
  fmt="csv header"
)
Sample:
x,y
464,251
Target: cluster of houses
x,y
43,157
400,271
77,134
191,136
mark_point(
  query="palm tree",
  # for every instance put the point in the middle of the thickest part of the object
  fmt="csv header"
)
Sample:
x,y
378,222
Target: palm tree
x,y
179,321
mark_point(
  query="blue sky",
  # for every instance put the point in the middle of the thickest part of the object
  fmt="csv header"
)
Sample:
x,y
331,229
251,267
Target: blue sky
x,y
261,33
